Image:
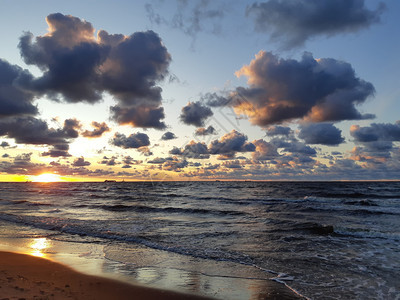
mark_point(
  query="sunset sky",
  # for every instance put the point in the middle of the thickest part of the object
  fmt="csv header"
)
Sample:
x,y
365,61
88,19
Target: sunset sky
x,y
199,90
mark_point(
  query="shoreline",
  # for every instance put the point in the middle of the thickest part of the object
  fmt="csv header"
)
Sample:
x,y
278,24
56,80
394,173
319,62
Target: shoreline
x,y
144,268
30,277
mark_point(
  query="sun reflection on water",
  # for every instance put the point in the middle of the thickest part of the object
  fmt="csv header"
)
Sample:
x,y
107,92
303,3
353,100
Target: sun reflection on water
x,y
38,247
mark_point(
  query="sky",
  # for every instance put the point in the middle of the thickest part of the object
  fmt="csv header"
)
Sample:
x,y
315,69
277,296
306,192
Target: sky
x,y
199,90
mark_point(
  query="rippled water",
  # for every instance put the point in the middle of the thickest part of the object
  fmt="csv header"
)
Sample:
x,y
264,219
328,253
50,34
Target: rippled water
x,y
326,240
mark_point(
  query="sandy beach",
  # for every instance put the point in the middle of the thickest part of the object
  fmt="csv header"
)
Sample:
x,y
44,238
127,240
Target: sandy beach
x,y
28,277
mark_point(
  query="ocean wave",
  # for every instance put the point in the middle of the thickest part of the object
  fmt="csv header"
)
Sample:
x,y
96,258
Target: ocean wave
x,y
360,202
367,233
105,231
150,209
351,211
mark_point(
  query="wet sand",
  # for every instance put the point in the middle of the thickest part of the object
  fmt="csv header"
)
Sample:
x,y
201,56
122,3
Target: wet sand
x,y
28,277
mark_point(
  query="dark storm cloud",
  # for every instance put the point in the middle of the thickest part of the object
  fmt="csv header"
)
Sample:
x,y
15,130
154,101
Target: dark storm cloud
x,y
175,151
195,150
231,143
195,113
58,138
293,22
58,150
278,130
29,130
376,131
14,101
79,67
227,147
135,64
71,127
22,165
175,164
56,153
170,163
168,136
205,131
4,144
157,160
99,129
109,161
135,140
235,164
316,90
80,162
128,161
321,133
139,116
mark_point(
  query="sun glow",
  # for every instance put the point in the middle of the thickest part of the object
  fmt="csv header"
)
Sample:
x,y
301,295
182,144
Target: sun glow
x,y
47,177
38,247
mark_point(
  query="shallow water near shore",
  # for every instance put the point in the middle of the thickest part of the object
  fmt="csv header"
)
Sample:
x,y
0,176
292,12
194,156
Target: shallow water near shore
x,y
228,240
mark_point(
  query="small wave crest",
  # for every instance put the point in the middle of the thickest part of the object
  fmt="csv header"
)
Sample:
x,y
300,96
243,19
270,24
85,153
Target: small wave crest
x,y
150,209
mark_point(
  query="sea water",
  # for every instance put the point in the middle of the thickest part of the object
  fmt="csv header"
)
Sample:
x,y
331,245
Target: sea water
x,y
323,240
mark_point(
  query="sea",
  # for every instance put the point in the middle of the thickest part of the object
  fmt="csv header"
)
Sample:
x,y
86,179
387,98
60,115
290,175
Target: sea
x,y
223,239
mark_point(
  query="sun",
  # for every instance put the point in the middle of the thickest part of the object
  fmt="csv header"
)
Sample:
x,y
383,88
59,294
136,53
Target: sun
x,y
47,177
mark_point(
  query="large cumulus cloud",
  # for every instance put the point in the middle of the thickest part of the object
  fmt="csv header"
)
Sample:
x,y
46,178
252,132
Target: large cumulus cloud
x,y
281,90
78,66
293,22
